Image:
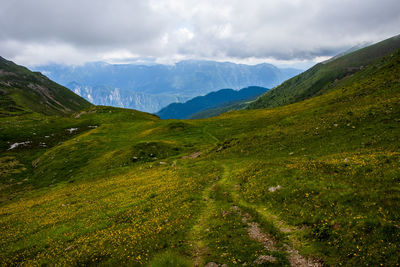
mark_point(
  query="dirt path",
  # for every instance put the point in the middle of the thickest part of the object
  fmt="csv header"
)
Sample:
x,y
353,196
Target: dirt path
x,y
213,137
254,230
199,249
256,233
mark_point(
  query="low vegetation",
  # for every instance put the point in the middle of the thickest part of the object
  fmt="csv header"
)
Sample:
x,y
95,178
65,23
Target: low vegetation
x,y
317,179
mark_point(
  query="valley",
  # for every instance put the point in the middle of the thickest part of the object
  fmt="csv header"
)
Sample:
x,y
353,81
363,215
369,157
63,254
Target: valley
x,y
313,182
152,87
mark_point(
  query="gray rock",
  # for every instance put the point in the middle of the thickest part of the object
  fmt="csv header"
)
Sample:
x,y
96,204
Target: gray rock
x,y
264,259
274,188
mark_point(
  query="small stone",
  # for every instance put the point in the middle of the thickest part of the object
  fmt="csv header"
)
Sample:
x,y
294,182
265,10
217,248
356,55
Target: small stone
x,y
264,259
291,153
71,130
274,188
211,264
69,248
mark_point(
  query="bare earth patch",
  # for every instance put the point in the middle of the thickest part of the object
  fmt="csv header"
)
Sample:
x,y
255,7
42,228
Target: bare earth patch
x,y
256,233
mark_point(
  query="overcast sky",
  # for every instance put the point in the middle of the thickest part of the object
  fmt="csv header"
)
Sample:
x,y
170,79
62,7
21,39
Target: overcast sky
x,y
247,31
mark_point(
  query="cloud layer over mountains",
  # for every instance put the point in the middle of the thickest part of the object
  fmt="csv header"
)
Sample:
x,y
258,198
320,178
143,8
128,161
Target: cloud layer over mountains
x,y
37,32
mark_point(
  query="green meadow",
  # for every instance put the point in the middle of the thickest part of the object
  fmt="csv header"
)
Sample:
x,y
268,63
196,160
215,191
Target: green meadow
x,y
316,180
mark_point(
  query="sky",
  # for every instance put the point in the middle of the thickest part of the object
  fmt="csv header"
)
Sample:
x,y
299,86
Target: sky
x,y
285,32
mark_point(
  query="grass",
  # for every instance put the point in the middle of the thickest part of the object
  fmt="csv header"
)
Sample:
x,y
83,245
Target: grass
x,y
124,219
169,258
128,192
26,92
324,76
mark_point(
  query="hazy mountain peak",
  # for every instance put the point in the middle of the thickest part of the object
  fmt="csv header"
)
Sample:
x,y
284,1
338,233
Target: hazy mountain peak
x,y
152,87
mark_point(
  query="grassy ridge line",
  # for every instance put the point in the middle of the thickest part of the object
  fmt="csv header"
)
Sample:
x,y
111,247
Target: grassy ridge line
x,y
323,77
23,91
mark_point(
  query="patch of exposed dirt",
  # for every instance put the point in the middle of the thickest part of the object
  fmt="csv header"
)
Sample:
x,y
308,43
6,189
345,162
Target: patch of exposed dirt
x,y
256,233
193,155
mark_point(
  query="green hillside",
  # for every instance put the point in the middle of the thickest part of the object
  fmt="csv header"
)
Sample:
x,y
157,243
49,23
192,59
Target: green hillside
x,y
215,111
315,182
324,76
211,101
23,91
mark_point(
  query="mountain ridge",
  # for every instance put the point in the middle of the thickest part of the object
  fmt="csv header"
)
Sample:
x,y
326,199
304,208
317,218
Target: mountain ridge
x,y
321,77
26,91
152,87
211,100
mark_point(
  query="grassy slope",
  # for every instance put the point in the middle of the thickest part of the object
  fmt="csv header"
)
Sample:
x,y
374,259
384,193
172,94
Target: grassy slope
x,y
324,76
23,91
124,193
213,101
215,111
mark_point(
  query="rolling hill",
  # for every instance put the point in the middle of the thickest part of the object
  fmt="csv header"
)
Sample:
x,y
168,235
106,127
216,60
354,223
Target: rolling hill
x,y
213,100
311,183
24,91
324,76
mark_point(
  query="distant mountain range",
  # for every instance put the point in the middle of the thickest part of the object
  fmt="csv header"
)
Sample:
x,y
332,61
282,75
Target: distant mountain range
x,y
213,100
152,87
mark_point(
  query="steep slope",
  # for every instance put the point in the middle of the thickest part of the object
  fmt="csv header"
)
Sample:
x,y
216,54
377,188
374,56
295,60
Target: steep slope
x,y
221,97
24,91
308,184
152,87
323,76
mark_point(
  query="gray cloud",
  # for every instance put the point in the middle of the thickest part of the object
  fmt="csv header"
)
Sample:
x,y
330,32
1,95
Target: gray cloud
x,y
36,32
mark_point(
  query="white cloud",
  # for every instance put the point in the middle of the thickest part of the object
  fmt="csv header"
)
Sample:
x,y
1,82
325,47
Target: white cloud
x,y
73,31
